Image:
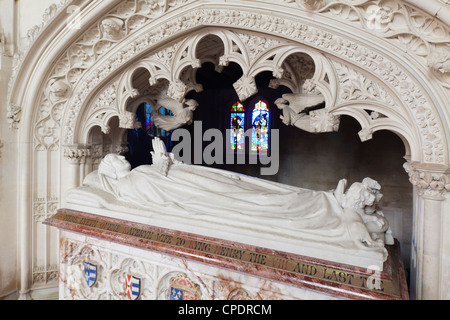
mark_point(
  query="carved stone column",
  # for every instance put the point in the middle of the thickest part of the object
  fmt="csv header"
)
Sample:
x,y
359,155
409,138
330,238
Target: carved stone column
x,y
428,257
75,158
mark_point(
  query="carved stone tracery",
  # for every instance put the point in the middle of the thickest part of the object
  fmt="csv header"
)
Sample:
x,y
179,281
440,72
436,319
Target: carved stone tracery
x,y
386,70
381,17
431,182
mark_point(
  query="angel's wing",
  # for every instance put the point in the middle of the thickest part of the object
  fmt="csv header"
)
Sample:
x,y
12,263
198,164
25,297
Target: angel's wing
x,y
298,101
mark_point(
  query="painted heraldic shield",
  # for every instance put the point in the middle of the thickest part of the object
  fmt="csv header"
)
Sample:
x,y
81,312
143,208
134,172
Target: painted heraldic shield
x,y
133,287
90,273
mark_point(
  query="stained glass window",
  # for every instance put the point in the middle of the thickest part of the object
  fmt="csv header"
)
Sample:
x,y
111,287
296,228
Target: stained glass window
x,y
260,127
148,117
237,123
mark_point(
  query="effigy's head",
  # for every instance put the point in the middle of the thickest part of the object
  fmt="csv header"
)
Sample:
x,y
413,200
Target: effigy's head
x,y
358,196
114,166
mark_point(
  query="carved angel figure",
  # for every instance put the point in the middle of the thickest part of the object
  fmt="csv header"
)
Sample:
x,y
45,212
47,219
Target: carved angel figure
x,y
362,199
183,113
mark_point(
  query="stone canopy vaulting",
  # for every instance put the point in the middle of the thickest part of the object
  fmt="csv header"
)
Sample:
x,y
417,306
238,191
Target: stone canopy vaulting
x,y
329,92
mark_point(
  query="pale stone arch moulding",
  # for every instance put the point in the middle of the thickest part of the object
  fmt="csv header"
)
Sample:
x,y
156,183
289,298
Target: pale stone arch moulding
x,y
47,103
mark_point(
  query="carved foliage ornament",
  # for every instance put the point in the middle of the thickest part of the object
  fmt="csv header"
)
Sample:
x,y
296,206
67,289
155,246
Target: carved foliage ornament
x,y
13,114
439,60
323,121
76,155
183,288
125,19
113,269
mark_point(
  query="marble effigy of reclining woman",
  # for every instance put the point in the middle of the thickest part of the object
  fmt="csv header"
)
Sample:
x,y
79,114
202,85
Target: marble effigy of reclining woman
x,y
340,225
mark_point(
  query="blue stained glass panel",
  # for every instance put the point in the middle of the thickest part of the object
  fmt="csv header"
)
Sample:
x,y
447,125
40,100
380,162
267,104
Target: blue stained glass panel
x,y
260,127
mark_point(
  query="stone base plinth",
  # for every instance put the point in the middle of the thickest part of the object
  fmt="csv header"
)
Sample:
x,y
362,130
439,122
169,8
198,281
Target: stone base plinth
x,y
100,256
